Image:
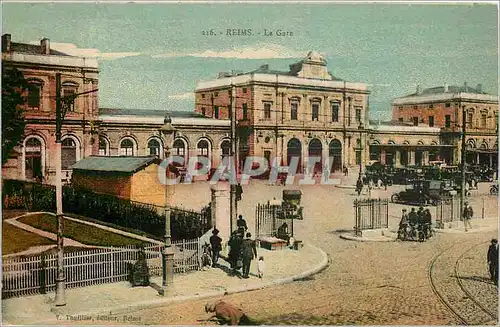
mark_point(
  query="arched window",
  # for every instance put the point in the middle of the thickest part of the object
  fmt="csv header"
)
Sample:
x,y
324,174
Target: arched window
x,y
154,147
33,159
225,149
335,111
203,148
68,153
103,147
179,149
69,89
126,147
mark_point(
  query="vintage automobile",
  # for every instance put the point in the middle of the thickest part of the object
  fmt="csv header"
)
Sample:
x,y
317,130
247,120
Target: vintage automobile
x,y
291,204
424,192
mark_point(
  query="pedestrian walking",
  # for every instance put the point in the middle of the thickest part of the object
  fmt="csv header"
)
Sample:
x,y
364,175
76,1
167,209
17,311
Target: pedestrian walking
x,y
379,183
427,221
467,215
241,224
493,260
216,244
359,186
261,267
235,250
249,252
346,171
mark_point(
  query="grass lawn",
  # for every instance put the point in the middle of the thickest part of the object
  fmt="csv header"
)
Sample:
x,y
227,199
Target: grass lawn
x,y
82,233
16,240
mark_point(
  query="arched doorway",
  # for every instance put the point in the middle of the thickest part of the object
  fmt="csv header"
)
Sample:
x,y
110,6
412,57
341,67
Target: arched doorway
x,y
33,159
225,148
335,154
316,150
294,150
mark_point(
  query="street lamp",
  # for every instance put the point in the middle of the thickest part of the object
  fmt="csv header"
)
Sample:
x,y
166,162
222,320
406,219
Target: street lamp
x,y
167,254
360,128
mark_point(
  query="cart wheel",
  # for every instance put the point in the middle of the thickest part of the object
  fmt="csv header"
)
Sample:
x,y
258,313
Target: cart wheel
x,y
394,198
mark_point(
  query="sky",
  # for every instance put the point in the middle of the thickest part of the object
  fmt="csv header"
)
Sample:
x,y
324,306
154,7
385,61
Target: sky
x,y
151,56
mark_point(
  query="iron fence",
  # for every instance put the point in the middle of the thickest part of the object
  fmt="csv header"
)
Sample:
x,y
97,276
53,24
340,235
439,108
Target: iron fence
x,y
37,274
273,220
370,214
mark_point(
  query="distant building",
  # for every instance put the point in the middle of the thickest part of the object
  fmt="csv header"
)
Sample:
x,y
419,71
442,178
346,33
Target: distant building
x,y
303,112
33,159
131,178
443,107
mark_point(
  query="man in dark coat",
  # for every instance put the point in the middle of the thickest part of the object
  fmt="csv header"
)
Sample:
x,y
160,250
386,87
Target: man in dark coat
x,y
249,252
234,249
493,260
216,244
241,224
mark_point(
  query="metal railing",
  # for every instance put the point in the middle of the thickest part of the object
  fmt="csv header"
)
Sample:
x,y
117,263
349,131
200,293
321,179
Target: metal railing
x,y
370,214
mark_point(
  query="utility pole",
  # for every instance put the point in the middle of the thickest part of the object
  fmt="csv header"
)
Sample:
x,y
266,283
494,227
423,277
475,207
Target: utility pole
x,y
60,299
62,105
464,158
232,198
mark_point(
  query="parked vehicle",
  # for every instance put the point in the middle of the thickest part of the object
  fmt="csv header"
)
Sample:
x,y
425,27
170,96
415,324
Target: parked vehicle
x,y
424,192
494,189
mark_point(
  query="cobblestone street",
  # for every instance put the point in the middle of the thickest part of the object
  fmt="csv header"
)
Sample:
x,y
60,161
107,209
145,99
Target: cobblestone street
x,y
365,283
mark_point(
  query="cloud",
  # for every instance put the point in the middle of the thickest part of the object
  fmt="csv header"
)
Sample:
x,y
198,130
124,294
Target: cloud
x,y
259,51
72,50
183,96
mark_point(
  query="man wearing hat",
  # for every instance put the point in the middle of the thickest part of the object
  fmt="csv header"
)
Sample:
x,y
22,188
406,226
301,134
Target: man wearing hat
x,y
493,260
216,243
467,215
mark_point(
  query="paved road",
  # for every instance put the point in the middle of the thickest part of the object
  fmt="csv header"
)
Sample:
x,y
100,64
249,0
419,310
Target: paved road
x,y
365,283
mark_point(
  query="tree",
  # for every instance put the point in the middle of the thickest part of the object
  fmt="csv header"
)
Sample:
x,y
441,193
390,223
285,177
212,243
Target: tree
x,y
13,86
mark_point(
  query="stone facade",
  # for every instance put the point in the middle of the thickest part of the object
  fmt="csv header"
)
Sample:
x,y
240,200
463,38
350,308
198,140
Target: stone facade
x,y
444,107
33,158
303,112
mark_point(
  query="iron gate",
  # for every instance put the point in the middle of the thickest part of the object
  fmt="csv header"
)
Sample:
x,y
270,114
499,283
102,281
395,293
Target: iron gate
x,y
448,210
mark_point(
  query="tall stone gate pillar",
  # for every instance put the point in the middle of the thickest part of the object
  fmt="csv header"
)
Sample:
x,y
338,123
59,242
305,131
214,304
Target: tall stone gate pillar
x,y
220,210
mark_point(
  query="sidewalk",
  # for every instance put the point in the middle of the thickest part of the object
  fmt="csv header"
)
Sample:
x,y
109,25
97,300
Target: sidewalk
x,y
389,235
282,266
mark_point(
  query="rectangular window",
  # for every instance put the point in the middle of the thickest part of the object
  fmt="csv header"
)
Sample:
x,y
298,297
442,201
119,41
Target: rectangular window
x,y
267,110
34,96
245,111
68,93
203,112
315,111
358,115
203,96
335,111
415,121
294,111
483,120
431,106
216,94
447,121
415,107
470,116
447,105
400,118
244,90
216,112
431,121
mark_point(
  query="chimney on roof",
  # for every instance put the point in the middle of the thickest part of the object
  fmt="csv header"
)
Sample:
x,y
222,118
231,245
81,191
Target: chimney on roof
x,y
6,43
479,88
45,45
465,86
418,90
445,87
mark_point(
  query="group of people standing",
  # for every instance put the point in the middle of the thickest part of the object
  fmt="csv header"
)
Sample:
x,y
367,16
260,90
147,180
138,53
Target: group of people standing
x,y
374,182
242,249
416,225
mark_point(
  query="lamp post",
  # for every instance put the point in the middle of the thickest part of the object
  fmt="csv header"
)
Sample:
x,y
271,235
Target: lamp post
x,y
167,254
360,128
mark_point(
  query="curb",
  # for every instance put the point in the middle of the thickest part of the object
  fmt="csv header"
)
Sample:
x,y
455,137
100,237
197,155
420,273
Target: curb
x,y
351,237
346,186
470,231
161,302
